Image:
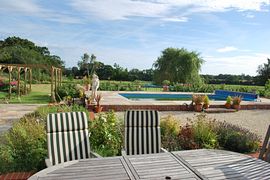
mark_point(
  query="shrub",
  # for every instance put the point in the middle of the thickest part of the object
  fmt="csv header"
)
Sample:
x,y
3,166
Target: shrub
x,y
186,138
67,90
235,138
170,129
42,112
105,134
204,136
23,147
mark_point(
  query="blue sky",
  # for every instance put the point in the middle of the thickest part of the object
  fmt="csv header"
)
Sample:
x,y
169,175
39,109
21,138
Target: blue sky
x,y
232,36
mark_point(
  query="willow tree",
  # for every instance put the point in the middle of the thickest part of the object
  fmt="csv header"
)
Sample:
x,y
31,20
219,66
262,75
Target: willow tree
x,y
178,66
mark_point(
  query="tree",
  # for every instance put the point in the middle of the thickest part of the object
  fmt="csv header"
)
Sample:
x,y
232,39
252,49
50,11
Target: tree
x,y
22,51
178,66
264,72
84,64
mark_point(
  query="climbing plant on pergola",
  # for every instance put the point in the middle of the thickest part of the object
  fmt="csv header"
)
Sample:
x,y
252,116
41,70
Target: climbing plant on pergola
x,y
55,72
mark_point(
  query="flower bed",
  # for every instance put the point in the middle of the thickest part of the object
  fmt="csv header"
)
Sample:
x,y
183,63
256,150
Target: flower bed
x,y
24,147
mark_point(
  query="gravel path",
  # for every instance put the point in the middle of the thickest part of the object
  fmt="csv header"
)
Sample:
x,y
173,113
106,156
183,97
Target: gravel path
x,y
256,121
9,113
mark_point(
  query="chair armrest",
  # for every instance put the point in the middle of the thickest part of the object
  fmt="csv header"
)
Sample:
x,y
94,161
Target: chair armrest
x,y
94,155
163,150
48,162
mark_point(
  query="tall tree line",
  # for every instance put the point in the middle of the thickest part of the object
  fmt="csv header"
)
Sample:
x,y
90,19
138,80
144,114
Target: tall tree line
x,y
174,64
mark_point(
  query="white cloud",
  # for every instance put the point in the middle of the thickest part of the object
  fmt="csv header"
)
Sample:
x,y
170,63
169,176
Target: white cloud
x,y
247,64
163,9
227,49
120,9
176,19
32,8
26,6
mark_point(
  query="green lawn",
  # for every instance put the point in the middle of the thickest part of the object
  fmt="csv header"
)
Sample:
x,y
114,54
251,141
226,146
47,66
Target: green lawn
x,y
40,94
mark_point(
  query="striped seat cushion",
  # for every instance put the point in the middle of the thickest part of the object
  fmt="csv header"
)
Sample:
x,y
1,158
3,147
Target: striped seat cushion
x,y
142,132
67,137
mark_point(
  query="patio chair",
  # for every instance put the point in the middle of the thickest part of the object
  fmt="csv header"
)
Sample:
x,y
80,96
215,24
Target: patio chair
x,y
67,137
142,132
265,151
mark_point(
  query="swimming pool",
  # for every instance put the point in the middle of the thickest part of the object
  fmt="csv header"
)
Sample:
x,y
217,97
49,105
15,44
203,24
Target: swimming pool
x,y
171,97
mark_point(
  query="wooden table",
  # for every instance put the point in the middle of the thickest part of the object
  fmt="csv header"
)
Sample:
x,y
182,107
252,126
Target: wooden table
x,y
191,164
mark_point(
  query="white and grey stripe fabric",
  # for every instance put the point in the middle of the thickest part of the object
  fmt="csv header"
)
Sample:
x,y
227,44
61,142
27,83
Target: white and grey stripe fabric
x,y
142,132
67,137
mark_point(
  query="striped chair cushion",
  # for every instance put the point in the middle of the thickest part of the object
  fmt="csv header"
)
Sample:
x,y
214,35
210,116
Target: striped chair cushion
x,y
142,118
67,137
142,132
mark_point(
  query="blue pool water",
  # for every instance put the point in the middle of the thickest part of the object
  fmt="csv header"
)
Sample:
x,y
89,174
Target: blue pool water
x,y
171,97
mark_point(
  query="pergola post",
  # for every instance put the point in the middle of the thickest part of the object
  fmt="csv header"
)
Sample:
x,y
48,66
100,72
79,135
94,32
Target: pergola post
x,y
25,80
30,79
9,80
55,80
60,77
18,85
52,90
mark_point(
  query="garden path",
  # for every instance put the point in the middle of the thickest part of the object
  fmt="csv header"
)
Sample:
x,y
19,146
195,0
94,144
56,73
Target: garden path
x,y
9,113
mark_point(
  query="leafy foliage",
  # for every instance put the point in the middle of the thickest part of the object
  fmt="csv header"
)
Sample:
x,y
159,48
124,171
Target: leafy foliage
x,y
42,112
22,51
23,147
178,65
264,72
170,128
204,132
204,136
236,138
68,90
105,134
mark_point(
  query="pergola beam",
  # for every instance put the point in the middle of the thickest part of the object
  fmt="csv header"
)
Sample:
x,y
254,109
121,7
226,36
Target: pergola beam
x,y
56,76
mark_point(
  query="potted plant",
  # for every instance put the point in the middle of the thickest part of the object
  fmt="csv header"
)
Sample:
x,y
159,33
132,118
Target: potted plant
x,y
206,102
98,107
198,101
166,85
228,103
236,102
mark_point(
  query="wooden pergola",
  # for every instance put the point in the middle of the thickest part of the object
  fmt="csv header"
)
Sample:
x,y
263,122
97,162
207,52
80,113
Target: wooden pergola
x,y
55,72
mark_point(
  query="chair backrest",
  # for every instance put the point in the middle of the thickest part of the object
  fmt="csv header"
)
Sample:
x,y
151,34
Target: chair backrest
x,y
67,137
142,132
265,151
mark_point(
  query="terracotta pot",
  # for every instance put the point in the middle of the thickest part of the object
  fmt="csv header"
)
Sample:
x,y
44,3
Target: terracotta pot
x,y
237,106
165,88
227,105
91,115
98,109
198,107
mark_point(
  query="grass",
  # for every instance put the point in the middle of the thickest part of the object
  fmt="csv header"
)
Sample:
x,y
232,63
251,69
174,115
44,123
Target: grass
x,y
39,95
